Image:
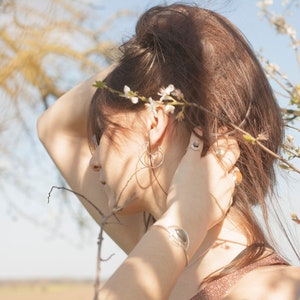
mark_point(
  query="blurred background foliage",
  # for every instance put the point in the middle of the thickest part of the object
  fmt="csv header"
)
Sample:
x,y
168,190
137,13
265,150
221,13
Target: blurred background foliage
x,y
46,48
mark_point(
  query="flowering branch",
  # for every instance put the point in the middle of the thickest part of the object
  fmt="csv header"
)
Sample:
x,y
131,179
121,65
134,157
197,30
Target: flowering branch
x,y
280,24
289,90
172,97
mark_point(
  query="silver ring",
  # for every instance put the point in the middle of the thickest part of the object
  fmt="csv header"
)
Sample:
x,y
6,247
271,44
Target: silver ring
x,y
195,146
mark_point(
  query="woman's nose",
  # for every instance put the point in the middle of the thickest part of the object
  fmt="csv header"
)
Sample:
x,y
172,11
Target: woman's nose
x,y
94,163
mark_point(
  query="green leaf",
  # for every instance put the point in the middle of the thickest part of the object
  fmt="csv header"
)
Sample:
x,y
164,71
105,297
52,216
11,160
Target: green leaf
x,y
99,84
284,167
249,138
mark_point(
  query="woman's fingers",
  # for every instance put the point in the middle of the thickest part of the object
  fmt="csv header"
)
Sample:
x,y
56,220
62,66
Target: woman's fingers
x,y
208,181
226,151
223,175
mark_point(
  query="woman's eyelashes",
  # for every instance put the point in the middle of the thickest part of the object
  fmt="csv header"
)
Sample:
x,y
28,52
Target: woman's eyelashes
x,y
95,139
98,132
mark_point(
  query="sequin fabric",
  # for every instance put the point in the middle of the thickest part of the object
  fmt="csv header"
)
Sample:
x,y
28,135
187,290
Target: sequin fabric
x,y
219,288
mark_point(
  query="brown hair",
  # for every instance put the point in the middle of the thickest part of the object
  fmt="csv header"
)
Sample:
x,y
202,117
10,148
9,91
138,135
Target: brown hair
x,y
211,62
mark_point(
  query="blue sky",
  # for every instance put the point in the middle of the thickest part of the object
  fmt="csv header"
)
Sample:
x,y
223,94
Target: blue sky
x,y
28,250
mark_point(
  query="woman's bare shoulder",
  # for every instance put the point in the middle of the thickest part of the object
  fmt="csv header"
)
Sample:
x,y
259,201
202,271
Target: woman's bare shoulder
x,y
273,282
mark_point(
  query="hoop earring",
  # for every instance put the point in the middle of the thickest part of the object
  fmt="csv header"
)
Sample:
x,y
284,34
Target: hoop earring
x,y
152,160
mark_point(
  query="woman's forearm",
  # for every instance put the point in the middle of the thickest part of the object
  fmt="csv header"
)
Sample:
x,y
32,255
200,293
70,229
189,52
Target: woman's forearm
x,y
62,130
150,271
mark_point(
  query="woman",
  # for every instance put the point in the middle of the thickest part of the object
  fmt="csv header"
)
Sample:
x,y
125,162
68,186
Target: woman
x,y
175,175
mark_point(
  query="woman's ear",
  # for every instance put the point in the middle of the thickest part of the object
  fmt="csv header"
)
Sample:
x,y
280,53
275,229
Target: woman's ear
x,y
158,126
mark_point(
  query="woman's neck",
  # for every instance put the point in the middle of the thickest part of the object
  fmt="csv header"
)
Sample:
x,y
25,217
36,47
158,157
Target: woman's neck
x,y
221,245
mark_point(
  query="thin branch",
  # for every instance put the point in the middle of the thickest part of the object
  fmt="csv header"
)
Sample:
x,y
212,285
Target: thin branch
x,y
176,98
252,139
295,218
291,112
292,127
77,194
104,222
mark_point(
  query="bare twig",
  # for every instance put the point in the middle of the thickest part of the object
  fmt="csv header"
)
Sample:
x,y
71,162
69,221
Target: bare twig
x,y
104,222
77,194
295,218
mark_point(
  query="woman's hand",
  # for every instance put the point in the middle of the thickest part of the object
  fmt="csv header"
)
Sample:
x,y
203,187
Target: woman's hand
x,y
202,188
199,197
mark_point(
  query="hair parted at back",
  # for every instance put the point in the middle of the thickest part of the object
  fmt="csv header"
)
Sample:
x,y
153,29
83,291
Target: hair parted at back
x,y
205,56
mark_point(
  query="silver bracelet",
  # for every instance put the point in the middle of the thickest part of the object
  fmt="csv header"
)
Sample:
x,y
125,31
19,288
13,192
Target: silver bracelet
x,y
178,236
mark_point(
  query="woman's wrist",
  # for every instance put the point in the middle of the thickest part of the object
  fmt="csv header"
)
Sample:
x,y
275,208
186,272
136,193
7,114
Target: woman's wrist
x,y
191,228
178,237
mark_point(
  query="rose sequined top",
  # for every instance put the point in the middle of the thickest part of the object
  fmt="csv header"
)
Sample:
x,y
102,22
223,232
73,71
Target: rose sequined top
x,y
219,288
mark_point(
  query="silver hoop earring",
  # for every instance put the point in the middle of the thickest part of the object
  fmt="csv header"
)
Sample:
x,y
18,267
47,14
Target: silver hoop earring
x,y
150,159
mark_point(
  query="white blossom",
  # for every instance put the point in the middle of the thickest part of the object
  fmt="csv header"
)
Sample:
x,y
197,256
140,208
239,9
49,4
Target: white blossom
x,y
290,31
289,143
284,76
134,100
152,105
295,44
126,90
264,4
290,138
165,92
129,94
282,27
272,68
169,109
285,2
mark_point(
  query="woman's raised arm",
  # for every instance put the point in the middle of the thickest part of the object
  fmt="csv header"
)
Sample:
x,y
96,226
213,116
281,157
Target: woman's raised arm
x,y
63,131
